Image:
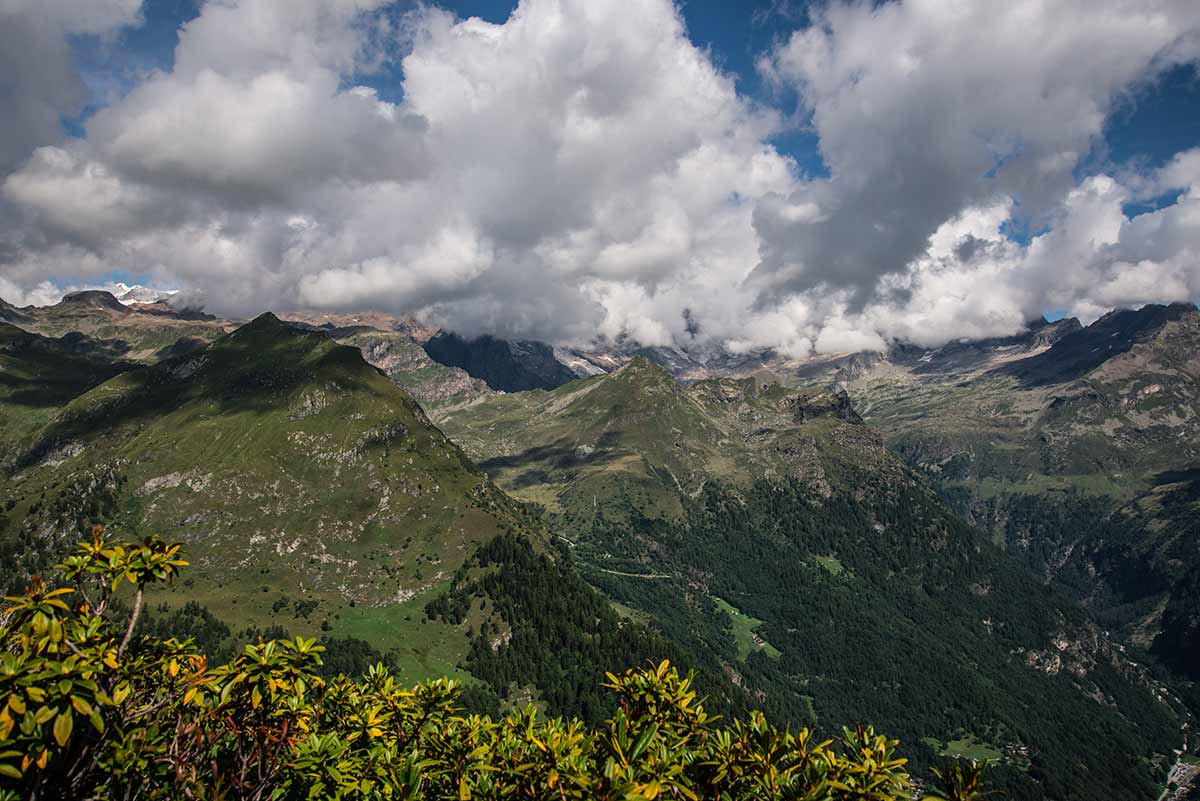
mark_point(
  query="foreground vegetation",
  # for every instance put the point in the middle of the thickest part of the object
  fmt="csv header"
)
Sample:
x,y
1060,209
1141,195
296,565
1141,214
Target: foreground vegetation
x,y
91,709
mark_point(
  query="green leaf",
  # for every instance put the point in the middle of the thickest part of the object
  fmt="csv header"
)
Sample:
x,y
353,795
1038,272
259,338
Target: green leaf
x,y
63,726
644,739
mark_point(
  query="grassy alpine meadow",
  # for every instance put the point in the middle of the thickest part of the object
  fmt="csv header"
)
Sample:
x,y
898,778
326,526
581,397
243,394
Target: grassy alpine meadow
x,y
294,470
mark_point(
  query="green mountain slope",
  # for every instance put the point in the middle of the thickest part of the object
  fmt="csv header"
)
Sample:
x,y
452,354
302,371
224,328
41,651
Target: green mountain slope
x,y
148,333
637,431
770,531
38,375
298,475
139,333
764,535
314,497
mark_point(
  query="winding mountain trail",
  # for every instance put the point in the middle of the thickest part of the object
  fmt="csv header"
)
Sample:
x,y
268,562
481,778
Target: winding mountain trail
x,y
635,575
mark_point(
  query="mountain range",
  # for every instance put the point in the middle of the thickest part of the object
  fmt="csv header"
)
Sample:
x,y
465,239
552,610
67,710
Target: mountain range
x,y
1033,438
1001,532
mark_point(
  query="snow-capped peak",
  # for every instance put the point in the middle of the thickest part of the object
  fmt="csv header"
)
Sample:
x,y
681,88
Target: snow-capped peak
x,y
136,293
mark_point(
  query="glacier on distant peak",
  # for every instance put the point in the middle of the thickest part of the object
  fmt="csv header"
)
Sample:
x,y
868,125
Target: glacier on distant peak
x,y
136,293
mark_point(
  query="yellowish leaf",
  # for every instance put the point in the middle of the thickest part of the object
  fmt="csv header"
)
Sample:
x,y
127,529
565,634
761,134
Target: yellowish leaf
x,y
63,725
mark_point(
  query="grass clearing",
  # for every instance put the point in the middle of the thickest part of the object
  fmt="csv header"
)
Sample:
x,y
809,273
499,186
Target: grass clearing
x,y
629,613
970,748
830,563
423,649
744,634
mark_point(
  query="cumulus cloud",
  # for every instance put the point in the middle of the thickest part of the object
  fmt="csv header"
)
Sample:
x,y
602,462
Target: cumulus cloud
x,y
581,164
43,294
971,281
584,170
925,108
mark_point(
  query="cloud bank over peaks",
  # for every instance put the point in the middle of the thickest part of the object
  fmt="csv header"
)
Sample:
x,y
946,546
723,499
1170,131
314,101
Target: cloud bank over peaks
x,y
584,170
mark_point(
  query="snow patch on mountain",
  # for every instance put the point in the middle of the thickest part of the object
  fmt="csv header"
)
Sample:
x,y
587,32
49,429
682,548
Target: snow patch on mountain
x,y
130,294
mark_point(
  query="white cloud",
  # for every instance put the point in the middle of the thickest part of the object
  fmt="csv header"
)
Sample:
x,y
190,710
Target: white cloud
x,y
263,138
583,169
79,199
43,294
536,176
1183,172
972,282
925,108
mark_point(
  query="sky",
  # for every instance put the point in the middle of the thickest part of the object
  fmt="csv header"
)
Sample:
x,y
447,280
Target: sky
x,y
812,177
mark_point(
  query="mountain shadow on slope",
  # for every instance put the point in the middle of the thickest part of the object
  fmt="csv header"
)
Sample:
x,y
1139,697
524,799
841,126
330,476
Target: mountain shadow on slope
x,y
502,365
1085,349
41,371
12,315
1139,570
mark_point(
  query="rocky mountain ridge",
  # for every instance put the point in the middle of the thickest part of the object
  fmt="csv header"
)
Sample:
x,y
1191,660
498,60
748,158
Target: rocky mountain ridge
x,y
535,365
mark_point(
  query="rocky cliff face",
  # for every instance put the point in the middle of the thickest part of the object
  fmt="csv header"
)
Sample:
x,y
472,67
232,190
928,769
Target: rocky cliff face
x,y
12,315
404,361
829,404
1081,350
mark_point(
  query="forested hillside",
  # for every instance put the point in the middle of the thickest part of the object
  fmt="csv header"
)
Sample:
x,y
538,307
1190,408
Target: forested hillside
x,y
1079,455
769,534
92,708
